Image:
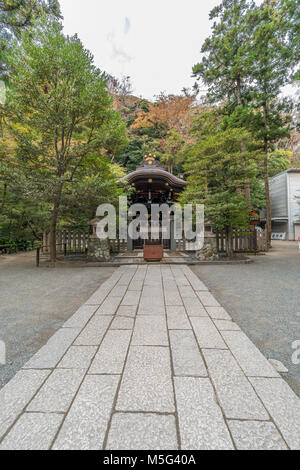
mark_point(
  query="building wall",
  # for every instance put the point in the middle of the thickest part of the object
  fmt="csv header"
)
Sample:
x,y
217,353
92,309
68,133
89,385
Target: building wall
x,y
280,227
293,188
297,231
278,193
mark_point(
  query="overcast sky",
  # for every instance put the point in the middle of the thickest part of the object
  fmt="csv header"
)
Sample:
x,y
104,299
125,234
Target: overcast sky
x,y
155,42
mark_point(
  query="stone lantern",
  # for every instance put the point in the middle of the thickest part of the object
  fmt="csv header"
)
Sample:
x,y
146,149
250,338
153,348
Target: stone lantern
x,y
98,249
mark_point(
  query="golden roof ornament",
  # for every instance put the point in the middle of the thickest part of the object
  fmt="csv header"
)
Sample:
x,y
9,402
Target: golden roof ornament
x,y
150,162
150,159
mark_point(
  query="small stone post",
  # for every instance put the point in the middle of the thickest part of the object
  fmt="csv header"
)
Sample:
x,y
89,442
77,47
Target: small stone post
x,y
98,249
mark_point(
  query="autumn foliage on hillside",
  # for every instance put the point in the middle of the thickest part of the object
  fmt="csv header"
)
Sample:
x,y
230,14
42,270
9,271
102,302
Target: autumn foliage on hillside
x,y
171,111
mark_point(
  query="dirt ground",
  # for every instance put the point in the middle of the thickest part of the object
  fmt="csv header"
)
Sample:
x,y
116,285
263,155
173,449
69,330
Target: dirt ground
x,y
35,302
264,299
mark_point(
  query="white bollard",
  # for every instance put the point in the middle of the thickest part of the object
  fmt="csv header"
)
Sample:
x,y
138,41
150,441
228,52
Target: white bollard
x,y
2,353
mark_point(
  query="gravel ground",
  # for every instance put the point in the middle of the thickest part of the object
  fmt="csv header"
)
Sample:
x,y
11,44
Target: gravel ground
x,y
35,302
264,299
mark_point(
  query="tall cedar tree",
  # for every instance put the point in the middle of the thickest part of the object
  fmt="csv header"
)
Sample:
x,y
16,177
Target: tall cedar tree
x,y
272,57
248,58
224,66
60,98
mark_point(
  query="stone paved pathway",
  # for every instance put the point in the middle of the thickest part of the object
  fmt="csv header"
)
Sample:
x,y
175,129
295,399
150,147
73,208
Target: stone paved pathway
x,y
150,361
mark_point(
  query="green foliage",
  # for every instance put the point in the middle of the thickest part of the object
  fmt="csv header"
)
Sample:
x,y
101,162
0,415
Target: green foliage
x,y
132,155
218,170
225,65
63,124
17,16
172,151
251,54
279,160
93,185
272,63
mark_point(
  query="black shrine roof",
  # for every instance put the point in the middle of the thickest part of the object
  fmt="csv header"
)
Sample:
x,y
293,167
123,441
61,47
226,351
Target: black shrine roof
x,y
152,169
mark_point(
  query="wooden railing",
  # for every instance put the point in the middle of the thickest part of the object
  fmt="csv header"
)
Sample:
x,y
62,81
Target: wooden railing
x,y
243,241
77,242
67,241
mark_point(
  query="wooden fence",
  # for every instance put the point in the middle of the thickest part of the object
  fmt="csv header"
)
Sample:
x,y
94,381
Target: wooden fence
x,y
77,242
243,241
67,240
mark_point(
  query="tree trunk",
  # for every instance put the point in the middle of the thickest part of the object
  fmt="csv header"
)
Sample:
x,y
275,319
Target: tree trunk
x,y
247,190
268,202
33,231
54,216
53,236
20,224
267,183
229,242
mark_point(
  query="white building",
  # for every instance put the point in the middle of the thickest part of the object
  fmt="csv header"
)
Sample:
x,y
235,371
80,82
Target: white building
x,y
285,202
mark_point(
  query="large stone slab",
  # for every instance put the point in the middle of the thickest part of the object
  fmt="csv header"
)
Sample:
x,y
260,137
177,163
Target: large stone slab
x,y
187,360
127,311
250,359
195,282
147,383
218,313
131,298
98,297
17,393
142,431
112,353
207,334
255,435
137,281
235,393
100,294
167,274
177,319
179,276
77,357
81,317
194,307
49,355
33,431
87,420
109,306
152,301
94,331
226,325
187,292
152,282
118,291
150,330
153,277
172,296
127,275
122,323
58,391
207,299
201,423
147,308
136,285
283,405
